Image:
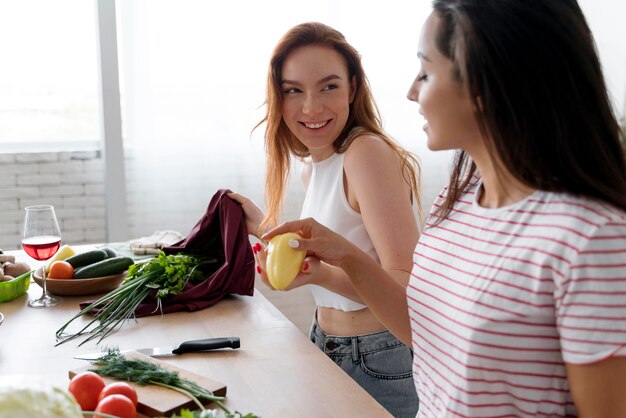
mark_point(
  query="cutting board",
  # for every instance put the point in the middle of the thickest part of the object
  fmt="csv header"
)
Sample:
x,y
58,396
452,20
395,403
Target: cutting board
x,y
156,401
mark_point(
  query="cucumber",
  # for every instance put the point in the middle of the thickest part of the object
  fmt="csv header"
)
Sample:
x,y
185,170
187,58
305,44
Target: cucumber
x,y
86,258
110,252
108,267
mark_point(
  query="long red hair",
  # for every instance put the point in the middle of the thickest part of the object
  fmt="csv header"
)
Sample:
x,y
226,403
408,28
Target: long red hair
x,y
364,117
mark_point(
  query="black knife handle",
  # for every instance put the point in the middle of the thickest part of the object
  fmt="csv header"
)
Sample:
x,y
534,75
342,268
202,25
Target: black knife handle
x,y
207,344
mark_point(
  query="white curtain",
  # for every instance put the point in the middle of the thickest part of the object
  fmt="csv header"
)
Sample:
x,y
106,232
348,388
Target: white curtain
x,y
193,84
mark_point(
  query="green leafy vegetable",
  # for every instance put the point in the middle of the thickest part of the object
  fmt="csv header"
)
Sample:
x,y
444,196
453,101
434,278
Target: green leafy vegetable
x,y
114,364
186,413
168,274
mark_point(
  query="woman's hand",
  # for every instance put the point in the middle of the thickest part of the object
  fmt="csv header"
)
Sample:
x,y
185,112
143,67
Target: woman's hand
x,y
373,285
317,240
310,266
252,213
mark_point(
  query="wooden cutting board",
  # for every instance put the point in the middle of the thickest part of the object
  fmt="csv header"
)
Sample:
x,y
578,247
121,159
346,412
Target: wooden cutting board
x,y
156,401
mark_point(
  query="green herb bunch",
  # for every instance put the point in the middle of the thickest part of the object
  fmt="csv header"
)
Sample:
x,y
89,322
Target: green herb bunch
x,y
186,413
114,364
167,274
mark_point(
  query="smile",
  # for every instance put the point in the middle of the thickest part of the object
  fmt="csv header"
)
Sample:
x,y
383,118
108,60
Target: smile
x,y
315,125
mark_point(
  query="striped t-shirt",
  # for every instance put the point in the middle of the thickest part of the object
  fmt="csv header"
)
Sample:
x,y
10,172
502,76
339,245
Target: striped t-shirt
x,y
499,299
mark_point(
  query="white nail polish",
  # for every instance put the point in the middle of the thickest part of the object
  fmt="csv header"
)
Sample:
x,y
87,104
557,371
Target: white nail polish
x,y
294,243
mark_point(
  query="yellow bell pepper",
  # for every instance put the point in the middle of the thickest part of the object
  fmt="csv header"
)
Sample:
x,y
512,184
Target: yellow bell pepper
x,y
283,262
64,252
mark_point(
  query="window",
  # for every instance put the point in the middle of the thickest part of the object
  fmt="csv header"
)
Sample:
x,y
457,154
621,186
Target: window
x,y
49,75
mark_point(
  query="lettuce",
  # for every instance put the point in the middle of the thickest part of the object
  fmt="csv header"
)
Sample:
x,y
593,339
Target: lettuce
x,y
28,396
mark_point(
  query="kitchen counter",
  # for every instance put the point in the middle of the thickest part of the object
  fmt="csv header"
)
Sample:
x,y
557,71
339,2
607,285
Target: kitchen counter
x,y
277,372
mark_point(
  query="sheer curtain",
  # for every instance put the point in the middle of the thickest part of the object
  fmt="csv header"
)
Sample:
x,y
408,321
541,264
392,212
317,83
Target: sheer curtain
x,y
193,84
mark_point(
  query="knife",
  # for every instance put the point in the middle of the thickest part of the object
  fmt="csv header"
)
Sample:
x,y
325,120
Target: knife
x,y
192,346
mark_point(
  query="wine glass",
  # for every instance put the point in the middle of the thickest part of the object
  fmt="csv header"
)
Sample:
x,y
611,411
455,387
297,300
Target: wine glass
x,y
41,240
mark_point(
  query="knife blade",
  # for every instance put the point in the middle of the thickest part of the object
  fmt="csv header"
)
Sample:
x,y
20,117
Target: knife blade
x,y
192,346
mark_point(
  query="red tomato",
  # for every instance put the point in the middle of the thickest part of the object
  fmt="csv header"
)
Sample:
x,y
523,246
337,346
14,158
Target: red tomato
x,y
120,388
86,388
61,270
117,405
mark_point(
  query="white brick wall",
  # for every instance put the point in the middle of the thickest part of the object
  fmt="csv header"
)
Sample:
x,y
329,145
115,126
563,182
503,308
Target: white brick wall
x,y
71,181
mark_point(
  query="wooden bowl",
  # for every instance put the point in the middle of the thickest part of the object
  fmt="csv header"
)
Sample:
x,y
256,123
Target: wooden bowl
x,y
79,287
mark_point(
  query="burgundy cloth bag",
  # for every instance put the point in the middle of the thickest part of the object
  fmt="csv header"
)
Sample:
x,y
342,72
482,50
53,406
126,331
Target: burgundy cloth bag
x,y
220,233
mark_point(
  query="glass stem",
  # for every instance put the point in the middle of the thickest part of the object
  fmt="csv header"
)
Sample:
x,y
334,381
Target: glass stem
x,y
44,278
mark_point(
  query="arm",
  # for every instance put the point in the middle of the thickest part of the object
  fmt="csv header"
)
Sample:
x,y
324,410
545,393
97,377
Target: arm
x,y
379,290
593,319
375,188
598,388
252,213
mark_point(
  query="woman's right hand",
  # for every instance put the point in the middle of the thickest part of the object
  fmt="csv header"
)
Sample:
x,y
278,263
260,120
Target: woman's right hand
x,y
317,240
309,268
252,213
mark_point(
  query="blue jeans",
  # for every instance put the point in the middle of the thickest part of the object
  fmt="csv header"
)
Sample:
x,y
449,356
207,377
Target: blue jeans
x,y
379,362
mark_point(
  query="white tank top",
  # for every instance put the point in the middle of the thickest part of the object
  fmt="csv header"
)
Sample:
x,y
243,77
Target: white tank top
x,y
326,202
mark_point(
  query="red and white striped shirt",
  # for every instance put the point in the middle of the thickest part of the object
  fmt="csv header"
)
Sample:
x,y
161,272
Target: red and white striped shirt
x,y
499,300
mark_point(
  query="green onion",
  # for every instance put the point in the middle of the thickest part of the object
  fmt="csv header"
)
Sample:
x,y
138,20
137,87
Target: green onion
x,y
168,274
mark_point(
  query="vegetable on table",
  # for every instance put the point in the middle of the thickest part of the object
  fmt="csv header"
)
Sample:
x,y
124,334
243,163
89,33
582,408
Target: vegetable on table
x,y
110,252
28,396
9,269
86,388
86,258
165,274
15,269
92,394
186,413
283,262
62,254
114,364
117,405
120,388
106,267
61,270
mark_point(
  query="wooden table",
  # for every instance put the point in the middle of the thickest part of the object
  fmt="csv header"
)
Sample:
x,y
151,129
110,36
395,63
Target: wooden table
x,y
277,372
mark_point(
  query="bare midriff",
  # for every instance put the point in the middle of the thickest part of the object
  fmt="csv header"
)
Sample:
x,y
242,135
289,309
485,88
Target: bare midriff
x,y
335,322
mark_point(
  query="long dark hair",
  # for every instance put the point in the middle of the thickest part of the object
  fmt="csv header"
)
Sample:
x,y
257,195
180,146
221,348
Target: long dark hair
x,y
533,72
364,118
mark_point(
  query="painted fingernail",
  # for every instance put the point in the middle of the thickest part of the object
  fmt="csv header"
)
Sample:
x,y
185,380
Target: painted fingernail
x,y
294,243
258,269
305,266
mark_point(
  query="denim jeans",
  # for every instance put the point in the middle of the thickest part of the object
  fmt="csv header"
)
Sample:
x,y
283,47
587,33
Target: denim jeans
x,y
379,362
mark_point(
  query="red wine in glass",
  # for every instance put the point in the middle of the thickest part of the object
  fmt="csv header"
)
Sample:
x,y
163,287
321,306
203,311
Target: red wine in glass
x,y
41,248
41,240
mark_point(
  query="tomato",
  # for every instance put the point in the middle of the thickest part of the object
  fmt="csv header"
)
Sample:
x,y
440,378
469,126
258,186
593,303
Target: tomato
x,y
117,405
120,388
61,270
86,388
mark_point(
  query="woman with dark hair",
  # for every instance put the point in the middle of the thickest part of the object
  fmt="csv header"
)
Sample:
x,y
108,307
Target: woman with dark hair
x,y
515,303
359,183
